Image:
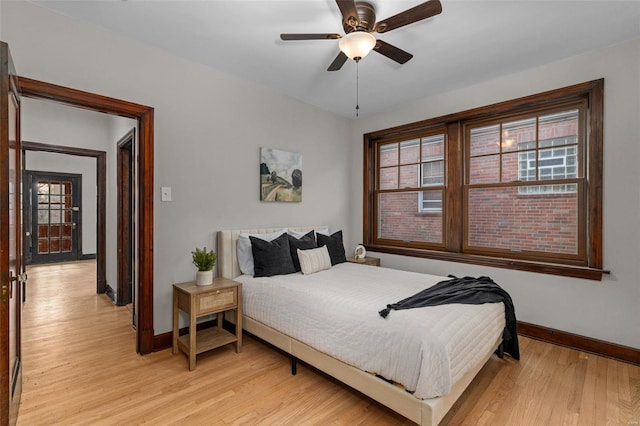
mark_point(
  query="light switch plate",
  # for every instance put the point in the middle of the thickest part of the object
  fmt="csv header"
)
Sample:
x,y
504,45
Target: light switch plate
x,y
165,192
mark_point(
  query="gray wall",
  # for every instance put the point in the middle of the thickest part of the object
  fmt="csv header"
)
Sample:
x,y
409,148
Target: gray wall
x,y
85,166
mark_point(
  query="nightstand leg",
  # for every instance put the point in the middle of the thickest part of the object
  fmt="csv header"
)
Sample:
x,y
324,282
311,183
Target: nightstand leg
x,y
175,323
239,321
192,341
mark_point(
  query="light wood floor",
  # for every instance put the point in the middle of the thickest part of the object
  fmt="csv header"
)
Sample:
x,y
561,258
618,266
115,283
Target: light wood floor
x,y
80,367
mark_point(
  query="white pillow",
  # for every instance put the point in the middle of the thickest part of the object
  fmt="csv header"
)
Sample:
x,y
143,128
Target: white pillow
x,y
323,231
244,252
299,235
314,260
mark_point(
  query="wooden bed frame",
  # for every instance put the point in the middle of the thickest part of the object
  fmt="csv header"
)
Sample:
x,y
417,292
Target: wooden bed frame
x,y
422,411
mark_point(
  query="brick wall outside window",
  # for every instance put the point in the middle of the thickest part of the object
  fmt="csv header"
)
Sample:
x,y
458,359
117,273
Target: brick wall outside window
x,y
400,219
400,215
501,218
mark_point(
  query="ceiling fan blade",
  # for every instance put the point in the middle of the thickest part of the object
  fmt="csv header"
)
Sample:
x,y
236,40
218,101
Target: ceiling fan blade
x,y
338,62
409,16
349,12
392,52
310,36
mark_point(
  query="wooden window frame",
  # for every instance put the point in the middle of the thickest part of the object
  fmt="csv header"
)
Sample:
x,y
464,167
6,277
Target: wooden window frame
x,y
578,259
422,133
589,267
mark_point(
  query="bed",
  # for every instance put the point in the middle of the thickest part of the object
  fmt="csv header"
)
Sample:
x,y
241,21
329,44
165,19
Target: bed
x,y
286,322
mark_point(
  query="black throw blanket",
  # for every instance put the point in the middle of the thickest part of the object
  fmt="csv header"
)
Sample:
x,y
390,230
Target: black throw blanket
x,y
468,291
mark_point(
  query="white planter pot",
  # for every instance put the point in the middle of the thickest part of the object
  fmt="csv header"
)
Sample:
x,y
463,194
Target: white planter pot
x,y
204,277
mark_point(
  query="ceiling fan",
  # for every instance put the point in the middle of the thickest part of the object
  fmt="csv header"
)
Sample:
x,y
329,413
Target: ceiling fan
x,y
359,21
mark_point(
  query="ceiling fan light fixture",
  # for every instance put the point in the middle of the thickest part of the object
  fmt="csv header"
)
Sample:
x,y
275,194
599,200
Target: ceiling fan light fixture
x,y
357,44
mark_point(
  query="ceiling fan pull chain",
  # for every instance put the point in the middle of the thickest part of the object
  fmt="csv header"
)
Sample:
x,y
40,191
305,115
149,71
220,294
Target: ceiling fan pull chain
x,y
357,88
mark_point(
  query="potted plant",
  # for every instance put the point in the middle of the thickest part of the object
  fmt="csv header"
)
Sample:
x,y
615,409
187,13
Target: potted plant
x,y
204,261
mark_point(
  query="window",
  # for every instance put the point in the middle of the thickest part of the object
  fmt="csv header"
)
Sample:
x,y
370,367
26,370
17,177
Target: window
x,y
410,188
503,185
522,184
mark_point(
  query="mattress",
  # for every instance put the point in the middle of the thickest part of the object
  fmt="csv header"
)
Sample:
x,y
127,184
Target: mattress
x,y
335,311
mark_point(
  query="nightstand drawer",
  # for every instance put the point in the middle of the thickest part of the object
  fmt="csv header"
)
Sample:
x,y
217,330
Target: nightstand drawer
x,y
216,300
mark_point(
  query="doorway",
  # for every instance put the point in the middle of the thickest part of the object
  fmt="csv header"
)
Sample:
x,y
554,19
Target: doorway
x,y
126,220
144,190
100,157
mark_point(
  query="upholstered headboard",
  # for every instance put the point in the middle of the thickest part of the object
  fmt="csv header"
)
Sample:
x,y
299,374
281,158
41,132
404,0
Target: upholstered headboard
x,y
227,247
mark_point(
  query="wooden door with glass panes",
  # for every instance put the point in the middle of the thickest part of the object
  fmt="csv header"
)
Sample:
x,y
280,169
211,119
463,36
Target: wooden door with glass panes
x,y
55,219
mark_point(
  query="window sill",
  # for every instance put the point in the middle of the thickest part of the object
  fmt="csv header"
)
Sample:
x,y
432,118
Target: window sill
x,y
522,265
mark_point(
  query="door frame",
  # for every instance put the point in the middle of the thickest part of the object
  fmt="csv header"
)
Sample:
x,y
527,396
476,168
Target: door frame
x,y
126,208
145,116
101,182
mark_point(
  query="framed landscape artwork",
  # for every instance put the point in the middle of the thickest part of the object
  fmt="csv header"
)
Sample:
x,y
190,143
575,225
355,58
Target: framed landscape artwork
x,y
280,175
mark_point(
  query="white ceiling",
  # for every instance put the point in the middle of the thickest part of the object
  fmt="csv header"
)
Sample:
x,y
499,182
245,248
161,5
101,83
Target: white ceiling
x,y
470,41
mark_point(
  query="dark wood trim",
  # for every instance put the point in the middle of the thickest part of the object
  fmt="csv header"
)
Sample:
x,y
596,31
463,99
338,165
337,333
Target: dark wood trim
x,y
496,262
110,293
101,219
165,340
31,88
61,149
453,220
145,231
580,343
145,116
87,256
368,201
126,170
596,174
101,244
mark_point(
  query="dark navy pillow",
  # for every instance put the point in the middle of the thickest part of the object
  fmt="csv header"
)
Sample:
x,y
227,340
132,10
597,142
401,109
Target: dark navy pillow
x,y
271,257
334,246
306,242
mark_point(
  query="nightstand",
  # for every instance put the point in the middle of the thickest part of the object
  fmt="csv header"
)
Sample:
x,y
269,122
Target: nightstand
x,y
373,261
222,295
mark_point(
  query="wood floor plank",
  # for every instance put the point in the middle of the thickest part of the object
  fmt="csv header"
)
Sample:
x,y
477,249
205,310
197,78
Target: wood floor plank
x,y
550,399
563,380
80,367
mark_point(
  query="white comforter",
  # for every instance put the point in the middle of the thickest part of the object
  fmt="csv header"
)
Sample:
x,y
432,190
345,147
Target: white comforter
x,y
336,311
